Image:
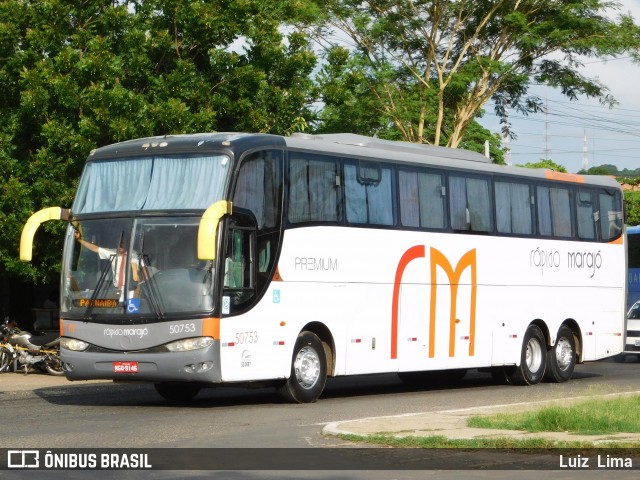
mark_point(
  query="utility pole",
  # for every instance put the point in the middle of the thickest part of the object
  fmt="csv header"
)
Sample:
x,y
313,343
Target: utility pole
x,y
506,138
547,147
585,153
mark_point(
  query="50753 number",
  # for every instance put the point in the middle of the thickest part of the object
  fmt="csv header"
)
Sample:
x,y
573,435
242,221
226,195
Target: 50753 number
x,y
182,328
246,337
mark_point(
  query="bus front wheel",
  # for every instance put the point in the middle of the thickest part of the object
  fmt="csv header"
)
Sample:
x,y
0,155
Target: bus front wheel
x,y
561,358
308,370
532,359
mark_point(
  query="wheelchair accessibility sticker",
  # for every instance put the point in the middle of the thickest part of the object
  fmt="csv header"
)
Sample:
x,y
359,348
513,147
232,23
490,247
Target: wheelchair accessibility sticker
x,y
133,305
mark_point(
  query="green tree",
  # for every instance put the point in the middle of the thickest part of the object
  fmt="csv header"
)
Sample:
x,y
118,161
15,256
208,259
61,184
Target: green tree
x,y
550,164
354,102
632,200
605,169
429,66
80,74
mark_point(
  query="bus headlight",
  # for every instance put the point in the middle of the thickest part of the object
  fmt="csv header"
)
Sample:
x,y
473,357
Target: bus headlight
x,y
73,344
189,344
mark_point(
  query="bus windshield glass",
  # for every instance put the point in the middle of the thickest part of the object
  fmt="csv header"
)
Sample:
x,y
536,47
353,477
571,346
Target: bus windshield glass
x,y
151,183
136,267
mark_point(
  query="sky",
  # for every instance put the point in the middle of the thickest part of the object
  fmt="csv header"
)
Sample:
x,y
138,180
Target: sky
x,y
612,135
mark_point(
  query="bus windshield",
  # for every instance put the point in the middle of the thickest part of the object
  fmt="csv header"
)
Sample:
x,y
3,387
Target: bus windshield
x,y
151,183
136,267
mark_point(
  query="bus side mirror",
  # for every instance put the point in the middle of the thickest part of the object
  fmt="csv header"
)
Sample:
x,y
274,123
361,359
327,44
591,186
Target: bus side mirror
x,y
29,229
208,229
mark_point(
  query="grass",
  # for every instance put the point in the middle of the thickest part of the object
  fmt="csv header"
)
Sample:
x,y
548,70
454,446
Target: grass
x,y
592,417
501,443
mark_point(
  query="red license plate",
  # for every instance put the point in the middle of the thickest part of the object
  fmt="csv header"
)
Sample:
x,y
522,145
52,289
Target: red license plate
x,y
125,367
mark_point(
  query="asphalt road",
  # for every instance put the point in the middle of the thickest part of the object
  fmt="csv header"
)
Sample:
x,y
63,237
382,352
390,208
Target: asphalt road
x,y
106,415
134,415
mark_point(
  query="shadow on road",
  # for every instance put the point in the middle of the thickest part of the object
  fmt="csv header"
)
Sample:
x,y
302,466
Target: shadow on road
x,y
134,394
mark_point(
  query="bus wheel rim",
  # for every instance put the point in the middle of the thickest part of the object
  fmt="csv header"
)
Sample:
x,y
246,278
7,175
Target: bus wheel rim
x,y
307,367
534,355
564,354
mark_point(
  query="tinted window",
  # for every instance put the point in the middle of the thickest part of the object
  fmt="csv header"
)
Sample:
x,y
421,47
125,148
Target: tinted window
x,y
314,189
258,187
368,202
513,207
554,211
610,215
421,199
586,214
470,204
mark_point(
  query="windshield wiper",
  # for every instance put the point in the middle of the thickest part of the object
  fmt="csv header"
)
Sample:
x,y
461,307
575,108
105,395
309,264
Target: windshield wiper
x,y
148,286
103,275
98,288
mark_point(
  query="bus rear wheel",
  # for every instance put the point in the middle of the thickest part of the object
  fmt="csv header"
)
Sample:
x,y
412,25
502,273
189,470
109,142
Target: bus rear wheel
x,y
533,359
177,391
308,370
561,358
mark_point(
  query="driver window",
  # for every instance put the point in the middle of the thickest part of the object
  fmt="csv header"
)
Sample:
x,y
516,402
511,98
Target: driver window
x,y
259,190
236,261
239,267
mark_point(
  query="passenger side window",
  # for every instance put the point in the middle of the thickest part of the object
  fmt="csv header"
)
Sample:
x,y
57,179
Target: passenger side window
x,y
368,193
422,197
587,216
610,215
259,187
514,212
470,204
251,257
554,211
314,189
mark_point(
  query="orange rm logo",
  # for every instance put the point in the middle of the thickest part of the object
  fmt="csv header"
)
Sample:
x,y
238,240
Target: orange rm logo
x,y
438,259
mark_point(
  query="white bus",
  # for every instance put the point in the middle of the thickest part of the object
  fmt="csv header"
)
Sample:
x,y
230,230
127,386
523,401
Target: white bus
x,y
209,259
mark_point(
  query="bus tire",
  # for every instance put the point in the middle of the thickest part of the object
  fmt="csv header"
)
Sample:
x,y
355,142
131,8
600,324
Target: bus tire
x,y
308,370
177,391
561,358
620,358
502,375
532,359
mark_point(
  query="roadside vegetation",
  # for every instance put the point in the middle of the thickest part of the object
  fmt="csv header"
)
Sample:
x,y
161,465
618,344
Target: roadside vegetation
x,y
592,417
503,442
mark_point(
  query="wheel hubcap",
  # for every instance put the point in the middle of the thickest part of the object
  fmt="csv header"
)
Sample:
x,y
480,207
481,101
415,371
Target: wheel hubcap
x,y
564,354
534,356
307,367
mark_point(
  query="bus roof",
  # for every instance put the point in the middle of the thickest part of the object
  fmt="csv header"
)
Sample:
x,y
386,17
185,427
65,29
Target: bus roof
x,y
377,144
342,144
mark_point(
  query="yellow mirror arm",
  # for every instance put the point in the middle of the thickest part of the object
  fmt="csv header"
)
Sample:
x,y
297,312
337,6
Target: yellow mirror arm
x,y
29,229
208,229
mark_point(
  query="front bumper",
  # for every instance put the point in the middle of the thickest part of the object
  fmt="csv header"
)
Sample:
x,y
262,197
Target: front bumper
x,y
202,365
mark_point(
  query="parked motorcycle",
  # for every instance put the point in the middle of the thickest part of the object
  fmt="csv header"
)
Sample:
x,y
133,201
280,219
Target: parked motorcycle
x,y
20,346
